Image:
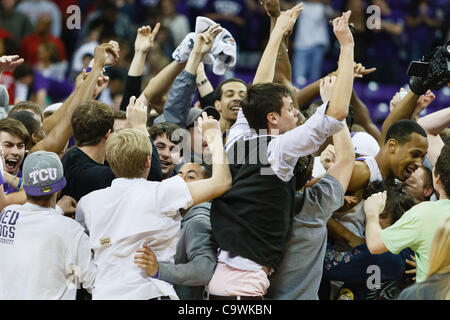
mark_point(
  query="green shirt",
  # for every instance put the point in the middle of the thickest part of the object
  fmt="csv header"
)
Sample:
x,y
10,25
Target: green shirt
x,y
416,229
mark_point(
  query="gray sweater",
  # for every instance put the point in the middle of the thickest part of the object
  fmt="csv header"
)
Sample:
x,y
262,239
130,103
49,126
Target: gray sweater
x,y
196,255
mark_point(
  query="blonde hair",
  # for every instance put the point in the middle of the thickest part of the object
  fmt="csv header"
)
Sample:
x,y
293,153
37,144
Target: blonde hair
x,y
440,248
439,254
127,152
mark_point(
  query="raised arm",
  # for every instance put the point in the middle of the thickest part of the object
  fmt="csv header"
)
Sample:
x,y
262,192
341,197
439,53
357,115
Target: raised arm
x,y
137,116
344,158
283,74
181,94
220,181
403,110
204,87
284,24
160,84
347,69
342,170
202,44
340,98
50,122
137,119
342,154
433,124
61,133
407,108
142,45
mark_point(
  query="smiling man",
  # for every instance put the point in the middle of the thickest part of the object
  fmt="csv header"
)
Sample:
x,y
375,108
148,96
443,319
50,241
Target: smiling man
x,y
403,151
13,138
161,134
227,100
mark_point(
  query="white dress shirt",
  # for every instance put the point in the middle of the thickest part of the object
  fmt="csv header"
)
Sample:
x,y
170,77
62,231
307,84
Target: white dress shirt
x,y
123,217
283,153
44,255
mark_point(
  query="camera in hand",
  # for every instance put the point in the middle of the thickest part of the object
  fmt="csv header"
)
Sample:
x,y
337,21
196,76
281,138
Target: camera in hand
x,y
432,72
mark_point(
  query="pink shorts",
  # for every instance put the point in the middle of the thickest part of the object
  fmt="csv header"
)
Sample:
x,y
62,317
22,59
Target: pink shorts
x,y
229,281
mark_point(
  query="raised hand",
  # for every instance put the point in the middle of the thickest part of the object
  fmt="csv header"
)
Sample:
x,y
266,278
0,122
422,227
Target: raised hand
x,y
342,30
423,102
204,41
106,53
137,115
209,128
146,260
272,7
326,87
9,63
102,83
360,71
287,19
111,59
145,38
398,96
80,78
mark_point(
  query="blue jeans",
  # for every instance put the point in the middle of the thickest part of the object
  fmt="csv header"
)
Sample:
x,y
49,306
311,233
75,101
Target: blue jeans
x,y
307,63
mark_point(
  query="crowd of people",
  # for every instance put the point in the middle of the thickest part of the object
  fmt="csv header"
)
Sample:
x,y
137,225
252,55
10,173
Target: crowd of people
x,y
148,181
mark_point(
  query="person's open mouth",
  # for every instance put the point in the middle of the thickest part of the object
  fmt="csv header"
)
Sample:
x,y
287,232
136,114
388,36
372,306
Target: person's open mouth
x,y
10,165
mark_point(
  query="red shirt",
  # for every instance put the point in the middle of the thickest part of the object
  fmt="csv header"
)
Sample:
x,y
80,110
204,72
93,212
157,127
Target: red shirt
x,y
29,46
8,81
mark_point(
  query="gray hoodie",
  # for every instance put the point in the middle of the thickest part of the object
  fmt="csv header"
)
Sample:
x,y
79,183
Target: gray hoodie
x,y
196,255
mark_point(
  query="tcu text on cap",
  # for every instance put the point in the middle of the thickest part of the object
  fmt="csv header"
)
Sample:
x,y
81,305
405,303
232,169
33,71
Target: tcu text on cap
x,y
43,174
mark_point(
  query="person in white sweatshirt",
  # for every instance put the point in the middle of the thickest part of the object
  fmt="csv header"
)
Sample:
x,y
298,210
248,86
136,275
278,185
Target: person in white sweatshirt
x,y
45,255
